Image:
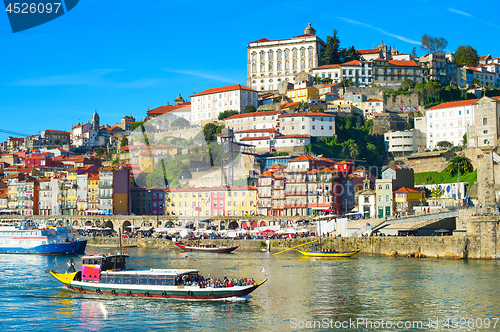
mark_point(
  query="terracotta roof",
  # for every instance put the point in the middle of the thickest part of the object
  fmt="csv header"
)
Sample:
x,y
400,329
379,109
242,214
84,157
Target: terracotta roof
x,y
164,109
248,115
306,158
222,89
373,100
306,114
403,63
454,104
408,190
263,40
254,138
266,174
368,51
3,193
266,130
354,63
330,85
328,66
287,105
58,131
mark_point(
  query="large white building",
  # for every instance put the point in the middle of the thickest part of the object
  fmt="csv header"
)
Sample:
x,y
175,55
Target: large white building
x,y
449,122
206,105
273,61
308,123
403,143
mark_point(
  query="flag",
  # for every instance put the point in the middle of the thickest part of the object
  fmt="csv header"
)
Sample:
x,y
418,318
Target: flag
x,y
54,261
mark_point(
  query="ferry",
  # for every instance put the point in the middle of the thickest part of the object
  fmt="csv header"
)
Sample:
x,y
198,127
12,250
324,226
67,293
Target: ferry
x,y
30,238
107,274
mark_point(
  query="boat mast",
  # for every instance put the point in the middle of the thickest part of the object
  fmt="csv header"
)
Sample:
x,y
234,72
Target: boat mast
x,y
120,238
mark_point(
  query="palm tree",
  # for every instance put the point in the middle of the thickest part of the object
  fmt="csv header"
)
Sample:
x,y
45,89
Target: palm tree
x,y
459,162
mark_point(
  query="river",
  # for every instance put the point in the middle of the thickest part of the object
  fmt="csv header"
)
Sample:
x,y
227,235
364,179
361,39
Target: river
x,y
353,294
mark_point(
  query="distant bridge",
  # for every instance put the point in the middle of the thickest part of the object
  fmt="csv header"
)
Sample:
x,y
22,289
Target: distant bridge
x,y
427,218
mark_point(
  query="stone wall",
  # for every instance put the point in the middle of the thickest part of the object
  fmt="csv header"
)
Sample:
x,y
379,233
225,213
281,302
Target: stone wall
x,y
411,100
458,247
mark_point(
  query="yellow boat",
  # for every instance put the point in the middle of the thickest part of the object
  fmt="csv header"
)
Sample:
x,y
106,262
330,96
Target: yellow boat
x,y
327,254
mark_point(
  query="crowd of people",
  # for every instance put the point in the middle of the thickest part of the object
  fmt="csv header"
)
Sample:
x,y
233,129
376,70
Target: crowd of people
x,y
214,282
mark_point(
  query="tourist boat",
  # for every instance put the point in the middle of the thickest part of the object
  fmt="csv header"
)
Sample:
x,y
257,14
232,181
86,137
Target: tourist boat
x,y
333,254
19,237
206,248
107,274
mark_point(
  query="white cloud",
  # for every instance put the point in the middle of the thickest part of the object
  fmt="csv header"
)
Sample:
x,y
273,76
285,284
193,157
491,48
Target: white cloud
x,y
456,11
407,40
202,75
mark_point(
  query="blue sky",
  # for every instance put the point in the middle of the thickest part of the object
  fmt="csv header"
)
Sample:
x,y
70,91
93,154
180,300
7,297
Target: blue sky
x,y
121,57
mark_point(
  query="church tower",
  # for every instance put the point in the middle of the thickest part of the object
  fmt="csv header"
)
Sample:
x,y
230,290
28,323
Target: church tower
x,y
309,30
95,121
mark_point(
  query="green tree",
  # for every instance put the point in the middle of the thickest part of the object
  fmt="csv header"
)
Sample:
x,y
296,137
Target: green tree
x,y
347,83
476,82
124,141
330,54
444,144
317,80
250,108
459,161
414,51
464,140
211,130
433,44
437,192
432,87
351,54
407,83
180,122
228,113
134,125
466,55
100,151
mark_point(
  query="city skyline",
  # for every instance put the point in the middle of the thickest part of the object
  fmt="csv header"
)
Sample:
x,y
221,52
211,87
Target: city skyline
x,y
120,59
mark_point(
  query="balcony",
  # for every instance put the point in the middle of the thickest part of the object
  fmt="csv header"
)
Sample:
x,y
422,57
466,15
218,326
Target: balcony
x,y
278,196
278,186
296,205
277,207
299,192
105,185
300,180
106,196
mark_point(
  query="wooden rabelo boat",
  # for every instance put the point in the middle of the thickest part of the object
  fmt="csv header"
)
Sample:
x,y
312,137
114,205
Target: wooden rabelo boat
x,y
318,251
333,254
107,274
205,248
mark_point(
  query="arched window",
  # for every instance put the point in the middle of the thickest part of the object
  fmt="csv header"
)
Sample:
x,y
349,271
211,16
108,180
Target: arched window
x,y
279,66
286,65
310,63
262,56
302,64
287,54
270,56
294,53
294,65
262,67
278,55
270,66
254,68
254,56
311,50
302,52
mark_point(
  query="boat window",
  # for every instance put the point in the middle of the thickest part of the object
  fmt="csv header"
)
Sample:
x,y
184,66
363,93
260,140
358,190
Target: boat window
x,y
151,280
169,281
134,280
143,280
111,279
118,280
126,280
104,279
160,281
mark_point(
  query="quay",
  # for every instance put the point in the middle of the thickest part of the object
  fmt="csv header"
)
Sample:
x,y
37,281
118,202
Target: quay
x,y
481,240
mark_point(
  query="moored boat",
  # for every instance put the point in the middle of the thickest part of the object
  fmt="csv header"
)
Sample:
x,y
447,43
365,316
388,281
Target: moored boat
x,y
206,248
107,274
29,238
333,254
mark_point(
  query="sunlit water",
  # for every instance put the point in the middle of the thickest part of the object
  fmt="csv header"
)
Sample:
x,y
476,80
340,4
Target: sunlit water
x,y
300,291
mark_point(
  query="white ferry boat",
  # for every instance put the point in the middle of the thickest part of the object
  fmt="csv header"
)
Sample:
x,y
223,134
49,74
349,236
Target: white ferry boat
x,y
22,237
